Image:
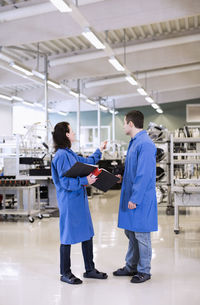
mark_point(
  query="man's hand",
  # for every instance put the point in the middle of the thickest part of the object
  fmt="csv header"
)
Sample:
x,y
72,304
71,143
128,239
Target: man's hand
x,y
120,178
103,145
131,205
91,179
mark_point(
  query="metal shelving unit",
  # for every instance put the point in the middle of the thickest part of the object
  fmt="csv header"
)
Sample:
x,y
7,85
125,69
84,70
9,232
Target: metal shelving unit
x,y
28,204
166,182
11,150
186,189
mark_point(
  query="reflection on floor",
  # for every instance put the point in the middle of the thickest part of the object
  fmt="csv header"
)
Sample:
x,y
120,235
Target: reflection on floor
x,y
29,262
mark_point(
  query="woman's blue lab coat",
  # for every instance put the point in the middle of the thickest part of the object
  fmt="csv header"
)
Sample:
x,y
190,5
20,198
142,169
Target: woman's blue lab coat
x,y
75,220
139,186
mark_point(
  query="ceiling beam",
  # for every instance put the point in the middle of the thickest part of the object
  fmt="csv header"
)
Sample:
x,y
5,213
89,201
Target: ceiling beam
x,y
129,49
28,11
145,74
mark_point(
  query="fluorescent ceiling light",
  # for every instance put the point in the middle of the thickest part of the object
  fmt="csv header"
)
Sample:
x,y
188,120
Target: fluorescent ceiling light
x,y
113,112
27,103
73,93
149,99
61,5
159,110
51,110
54,84
103,107
5,97
38,74
131,80
83,96
21,69
155,106
141,91
93,39
76,94
65,87
17,98
38,105
62,113
90,101
116,64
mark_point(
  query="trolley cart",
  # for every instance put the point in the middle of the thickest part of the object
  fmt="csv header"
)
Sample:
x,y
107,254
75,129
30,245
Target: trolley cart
x,y
27,203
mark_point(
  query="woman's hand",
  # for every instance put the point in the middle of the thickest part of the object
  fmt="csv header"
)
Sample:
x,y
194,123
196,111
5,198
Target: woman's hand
x,y
91,179
120,178
103,145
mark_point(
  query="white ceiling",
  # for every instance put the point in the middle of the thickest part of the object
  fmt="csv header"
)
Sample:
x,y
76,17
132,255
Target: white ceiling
x,y
162,49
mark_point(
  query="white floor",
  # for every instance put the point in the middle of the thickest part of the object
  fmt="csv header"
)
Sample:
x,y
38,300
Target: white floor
x,y
29,262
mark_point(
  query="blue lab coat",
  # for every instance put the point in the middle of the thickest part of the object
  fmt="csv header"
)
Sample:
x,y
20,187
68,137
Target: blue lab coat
x,y
139,186
75,219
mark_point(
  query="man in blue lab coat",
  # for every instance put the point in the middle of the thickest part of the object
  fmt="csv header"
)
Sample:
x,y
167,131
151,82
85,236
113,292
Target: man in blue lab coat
x,y
138,204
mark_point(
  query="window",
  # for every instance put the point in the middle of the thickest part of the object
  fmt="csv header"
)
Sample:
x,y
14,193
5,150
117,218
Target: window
x,y
89,136
193,113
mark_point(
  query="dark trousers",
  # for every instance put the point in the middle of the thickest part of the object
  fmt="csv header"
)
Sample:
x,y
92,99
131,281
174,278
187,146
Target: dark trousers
x,y
65,261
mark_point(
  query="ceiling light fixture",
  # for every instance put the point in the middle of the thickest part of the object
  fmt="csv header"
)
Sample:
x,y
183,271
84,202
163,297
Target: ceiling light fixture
x,y
116,64
27,103
51,110
159,110
5,97
83,96
62,113
21,69
142,91
17,98
38,105
155,106
103,107
131,80
149,99
61,5
93,39
90,101
38,74
113,112
54,84
75,94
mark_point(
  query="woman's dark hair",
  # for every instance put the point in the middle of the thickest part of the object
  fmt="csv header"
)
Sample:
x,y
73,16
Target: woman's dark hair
x,y
136,117
59,136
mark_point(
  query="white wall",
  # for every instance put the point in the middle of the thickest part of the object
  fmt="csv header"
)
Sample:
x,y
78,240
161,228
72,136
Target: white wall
x,y
26,116
5,120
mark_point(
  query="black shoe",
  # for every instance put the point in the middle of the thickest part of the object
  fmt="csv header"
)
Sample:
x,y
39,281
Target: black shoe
x,y
95,274
70,279
123,272
140,278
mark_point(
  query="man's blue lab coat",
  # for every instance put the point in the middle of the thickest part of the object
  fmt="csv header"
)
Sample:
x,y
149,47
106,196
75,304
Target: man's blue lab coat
x,y
139,186
75,220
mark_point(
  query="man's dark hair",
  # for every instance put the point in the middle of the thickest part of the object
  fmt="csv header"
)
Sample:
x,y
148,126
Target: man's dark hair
x,y
136,117
59,136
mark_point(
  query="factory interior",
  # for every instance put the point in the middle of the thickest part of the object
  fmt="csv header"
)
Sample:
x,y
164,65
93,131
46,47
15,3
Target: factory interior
x,y
89,63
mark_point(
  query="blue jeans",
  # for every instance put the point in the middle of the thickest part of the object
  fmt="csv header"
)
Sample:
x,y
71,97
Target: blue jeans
x,y
138,257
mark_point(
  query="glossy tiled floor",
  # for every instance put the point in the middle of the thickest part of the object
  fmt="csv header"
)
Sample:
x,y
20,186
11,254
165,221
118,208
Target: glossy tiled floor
x,y
29,262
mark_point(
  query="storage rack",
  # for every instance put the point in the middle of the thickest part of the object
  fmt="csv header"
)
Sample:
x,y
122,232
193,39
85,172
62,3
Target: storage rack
x,y
165,163
186,189
17,186
28,204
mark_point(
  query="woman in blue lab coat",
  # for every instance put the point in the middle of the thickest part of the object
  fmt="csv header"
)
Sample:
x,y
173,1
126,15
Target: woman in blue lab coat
x,y
75,219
